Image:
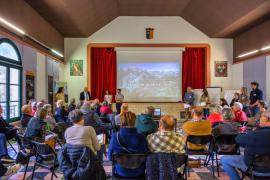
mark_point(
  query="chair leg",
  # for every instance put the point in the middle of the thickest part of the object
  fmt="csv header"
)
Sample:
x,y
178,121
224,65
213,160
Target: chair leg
x,y
217,164
212,162
25,171
33,172
12,147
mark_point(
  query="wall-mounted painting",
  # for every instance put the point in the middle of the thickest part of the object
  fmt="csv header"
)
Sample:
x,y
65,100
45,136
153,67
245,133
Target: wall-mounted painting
x,y
76,67
29,85
221,68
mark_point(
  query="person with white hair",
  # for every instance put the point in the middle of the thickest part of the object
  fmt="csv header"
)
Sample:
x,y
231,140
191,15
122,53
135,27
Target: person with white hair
x,y
240,115
61,113
215,117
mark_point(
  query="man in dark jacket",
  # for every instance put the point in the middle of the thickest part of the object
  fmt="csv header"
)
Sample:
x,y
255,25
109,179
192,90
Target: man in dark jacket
x,y
256,95
145,123
85,95
255,143
79,162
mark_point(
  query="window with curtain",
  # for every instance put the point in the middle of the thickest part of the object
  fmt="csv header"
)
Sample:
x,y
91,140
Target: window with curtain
x,y
10,80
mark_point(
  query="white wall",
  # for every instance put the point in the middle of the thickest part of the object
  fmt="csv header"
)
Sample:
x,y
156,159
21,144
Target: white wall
x,y
132,30
41,78
237,76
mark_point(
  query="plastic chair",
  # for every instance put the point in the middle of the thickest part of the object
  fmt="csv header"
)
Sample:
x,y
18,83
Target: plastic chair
x,y
128,161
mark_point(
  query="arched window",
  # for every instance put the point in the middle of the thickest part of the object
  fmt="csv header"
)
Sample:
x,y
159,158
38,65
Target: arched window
x,y
10,80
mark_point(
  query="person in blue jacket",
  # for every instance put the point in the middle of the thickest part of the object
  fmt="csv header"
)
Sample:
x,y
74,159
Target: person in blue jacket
x,y
128,140
189,97
145,123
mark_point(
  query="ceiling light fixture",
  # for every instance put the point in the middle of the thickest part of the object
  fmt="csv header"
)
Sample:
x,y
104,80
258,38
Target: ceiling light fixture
x,y
57,53
11,26
248,53
265,48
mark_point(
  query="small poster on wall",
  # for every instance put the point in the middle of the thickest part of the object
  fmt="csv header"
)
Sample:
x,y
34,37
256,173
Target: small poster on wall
x,y
221,68
76,67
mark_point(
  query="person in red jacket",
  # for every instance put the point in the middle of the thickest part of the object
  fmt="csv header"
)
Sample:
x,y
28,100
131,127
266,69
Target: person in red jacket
x,y
240,116
216,116
105,109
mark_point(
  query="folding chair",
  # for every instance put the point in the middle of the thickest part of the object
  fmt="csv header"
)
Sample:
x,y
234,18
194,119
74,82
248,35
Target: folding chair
x,y
128,161
201,140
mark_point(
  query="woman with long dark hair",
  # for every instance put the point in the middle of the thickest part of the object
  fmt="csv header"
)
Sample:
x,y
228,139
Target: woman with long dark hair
x,y
60,95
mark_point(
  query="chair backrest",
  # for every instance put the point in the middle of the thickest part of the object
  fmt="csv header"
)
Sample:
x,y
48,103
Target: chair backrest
x,y
261,162
129,161
42,149
105,120
226,139
202,140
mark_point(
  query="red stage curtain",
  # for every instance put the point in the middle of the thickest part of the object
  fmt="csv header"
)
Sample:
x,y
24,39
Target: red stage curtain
x,y
103,72
193,69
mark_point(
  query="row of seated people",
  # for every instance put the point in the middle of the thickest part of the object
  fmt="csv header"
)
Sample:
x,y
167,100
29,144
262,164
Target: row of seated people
x,y
130,140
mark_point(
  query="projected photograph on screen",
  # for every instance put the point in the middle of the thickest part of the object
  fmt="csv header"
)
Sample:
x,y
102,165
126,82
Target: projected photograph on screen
x,y
149,80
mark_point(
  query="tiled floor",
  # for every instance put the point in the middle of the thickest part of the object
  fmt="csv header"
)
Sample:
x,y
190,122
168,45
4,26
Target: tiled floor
x,y
203,173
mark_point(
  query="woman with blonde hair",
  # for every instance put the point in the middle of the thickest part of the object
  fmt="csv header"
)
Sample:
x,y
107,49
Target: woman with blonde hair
x,y
128,140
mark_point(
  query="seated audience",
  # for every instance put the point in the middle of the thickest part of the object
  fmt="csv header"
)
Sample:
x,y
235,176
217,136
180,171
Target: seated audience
x,y
50,121
215,117
108,98
224,103
79,134
91,118
34,107
124,108
6,128
262,108
72,105
166,139
26,115
36,128
255,143
205,98
128,140
235,99
189,96
240,116
40,105
198,127
7,171
145,123
228,126
3,150
61,113
105,109
96,106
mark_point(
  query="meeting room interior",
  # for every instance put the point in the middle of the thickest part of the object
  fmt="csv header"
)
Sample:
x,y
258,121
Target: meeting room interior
x,y
135,89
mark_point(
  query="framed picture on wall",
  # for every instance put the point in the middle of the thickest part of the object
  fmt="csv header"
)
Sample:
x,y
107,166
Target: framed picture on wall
x,y
221,68
76,67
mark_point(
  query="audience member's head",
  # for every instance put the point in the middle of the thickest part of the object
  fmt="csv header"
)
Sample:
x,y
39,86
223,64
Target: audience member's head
x,y
124,108
119,91
243,91
60,104
150,110
189,89
223,102
86,107
48,107
41,114
40,105
254,85
197,113
236,95
217,109
85,89
73,101
228,114
76,117
96,101
166,123
107,92
265,119
237,106
34,105
27,109
127,119
105,103
261,105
